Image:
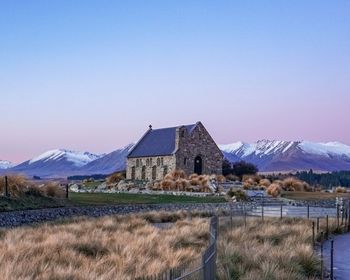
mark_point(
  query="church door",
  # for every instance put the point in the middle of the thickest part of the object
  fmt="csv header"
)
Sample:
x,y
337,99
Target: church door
x,y
198,165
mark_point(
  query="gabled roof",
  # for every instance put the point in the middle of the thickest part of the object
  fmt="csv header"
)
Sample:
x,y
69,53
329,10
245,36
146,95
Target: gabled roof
x,y
158,142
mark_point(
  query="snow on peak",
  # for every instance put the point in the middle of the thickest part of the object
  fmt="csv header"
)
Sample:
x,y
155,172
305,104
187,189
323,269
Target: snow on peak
x,y
325,149
229,148
4,164
77,158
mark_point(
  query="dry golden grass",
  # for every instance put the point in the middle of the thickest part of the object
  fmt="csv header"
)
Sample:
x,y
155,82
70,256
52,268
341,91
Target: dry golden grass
x,y
19,186
268,250
178,181
119,247
115,178
341,190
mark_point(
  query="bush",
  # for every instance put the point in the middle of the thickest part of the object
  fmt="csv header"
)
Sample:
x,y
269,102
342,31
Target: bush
x,y
115,178
52,189
293,184
274,190
238,194
243,168
265,183
341,190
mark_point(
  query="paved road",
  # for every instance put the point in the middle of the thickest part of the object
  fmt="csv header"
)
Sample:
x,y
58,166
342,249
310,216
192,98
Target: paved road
x,y
341,256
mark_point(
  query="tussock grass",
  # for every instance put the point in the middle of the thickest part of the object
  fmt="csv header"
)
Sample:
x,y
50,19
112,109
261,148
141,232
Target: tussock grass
x,y
119,247
268,250
19,186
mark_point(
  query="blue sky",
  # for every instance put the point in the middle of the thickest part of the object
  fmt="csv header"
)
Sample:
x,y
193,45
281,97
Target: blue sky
x,y
91,75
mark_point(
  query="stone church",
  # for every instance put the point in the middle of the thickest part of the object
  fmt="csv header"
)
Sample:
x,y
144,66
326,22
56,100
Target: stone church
x,y
186,147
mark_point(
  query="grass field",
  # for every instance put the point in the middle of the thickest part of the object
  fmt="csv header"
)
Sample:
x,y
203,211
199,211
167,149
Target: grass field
x,y
124,247
127,198
313,195
104,248
30,202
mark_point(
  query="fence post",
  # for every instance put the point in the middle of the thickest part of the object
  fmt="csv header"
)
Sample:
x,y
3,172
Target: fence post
x,y
327,227
321,255
348,219
281,211
337,216
6,187
308,211
67,191
231,210
318,224
332,251
313,233
245,217
262,209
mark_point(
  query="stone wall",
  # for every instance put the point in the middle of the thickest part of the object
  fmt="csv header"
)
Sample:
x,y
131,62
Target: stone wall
x,y
161,164
198,143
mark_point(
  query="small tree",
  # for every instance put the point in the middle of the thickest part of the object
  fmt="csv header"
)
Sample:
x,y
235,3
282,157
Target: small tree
x,y
244,168
226,167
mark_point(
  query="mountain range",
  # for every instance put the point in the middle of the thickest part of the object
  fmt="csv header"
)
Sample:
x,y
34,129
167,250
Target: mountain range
x,y
269,156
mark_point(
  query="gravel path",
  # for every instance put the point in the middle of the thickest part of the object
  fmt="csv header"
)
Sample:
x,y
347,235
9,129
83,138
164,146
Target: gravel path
x,y
19,218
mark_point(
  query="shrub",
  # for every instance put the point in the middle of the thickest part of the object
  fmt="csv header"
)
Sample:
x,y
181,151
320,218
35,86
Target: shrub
x,y
293,184
167,185
220,178
341,190
265,183
17,185
238,194
52,189
274,190
115,178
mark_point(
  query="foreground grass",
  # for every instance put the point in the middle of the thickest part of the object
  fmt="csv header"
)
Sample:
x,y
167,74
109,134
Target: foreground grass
x,y
127,198
313,195
104,248
29,202
268,250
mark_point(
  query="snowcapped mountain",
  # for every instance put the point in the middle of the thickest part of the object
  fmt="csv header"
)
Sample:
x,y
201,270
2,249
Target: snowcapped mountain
x,y
77,158
290,155
4,164
55,163
268,155
112,162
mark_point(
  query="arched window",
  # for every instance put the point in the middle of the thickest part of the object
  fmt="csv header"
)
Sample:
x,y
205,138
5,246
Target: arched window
x,y
147,162
143,173
165,170
133,173
183,133
158,161
150,161
185,161
154,172
161,161
137,163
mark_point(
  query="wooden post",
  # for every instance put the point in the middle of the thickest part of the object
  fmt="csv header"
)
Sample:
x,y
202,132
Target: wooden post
x,y
322,255
313,233
332,251
245,217
262,209
318,224
327,227
308,211
67,191
281,214
7,194
337,216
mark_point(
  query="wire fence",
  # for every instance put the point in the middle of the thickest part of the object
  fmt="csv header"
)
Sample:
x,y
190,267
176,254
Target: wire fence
x,y
201,269
324,223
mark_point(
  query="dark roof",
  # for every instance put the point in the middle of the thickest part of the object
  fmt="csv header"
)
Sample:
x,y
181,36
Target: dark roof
x,y
157,142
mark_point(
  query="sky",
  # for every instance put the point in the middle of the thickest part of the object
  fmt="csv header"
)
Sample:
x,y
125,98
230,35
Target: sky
x,y
92,75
